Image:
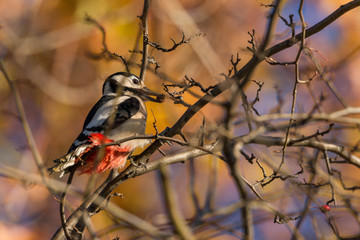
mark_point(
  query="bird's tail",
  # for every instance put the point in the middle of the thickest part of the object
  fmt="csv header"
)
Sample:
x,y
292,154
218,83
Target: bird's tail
x,y
62,164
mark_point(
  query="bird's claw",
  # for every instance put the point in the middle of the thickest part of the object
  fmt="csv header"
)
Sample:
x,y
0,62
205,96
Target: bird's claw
x,y
163,134
138,165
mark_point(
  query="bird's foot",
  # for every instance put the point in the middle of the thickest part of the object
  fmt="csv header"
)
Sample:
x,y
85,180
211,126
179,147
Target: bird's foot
x,y
138,165
163,134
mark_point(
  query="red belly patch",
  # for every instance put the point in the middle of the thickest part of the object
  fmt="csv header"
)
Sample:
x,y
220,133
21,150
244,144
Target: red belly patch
x,y
98,160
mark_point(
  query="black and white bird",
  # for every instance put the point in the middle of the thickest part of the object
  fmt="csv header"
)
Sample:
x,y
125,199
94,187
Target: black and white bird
x,y
120,113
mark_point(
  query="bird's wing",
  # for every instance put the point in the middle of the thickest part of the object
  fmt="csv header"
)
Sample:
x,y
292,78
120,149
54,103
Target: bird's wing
x,y
91,115
106,115
111,114
124,111
105,109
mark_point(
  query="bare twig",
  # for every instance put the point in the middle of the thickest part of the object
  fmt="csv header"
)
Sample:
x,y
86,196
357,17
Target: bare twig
x,y
183,40
271,25
62,207
105,51
145,31
296,82
172,204
24,122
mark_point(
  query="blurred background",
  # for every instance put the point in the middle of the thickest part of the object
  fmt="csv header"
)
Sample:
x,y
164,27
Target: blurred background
x,y
47,48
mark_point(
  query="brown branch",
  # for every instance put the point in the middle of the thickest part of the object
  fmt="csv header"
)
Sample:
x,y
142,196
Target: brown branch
x,y
257,97
322,146
271,25
62,206
211,187
181,227
25,124
353,188
175,44
105,51
329,83
145,31
177,96
296,82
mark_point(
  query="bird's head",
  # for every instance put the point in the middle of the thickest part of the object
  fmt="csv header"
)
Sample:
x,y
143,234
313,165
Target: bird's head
x,y
124,83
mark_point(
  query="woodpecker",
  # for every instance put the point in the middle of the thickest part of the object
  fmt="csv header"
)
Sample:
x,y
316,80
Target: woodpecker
x,y
120,113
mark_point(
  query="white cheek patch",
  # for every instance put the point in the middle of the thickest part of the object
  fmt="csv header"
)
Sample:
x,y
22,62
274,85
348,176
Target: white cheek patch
x,y
119,78
128,81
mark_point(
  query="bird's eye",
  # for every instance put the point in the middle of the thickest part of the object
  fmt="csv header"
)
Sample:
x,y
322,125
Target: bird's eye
x,y
135,81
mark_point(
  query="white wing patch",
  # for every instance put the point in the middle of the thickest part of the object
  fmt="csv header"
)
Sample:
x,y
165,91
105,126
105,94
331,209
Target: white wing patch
x,y
105,111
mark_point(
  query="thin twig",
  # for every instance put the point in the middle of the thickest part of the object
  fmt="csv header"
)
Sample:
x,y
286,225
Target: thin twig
x,y
145,32
211,188
62,205
271,25
105,51
296,82
173,206
25,124
175,45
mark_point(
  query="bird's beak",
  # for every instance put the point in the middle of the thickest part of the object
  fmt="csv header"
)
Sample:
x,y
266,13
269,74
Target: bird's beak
x,y
147,93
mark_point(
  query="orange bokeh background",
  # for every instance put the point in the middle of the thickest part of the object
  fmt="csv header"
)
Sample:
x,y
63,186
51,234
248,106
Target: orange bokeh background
x,y
45,46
